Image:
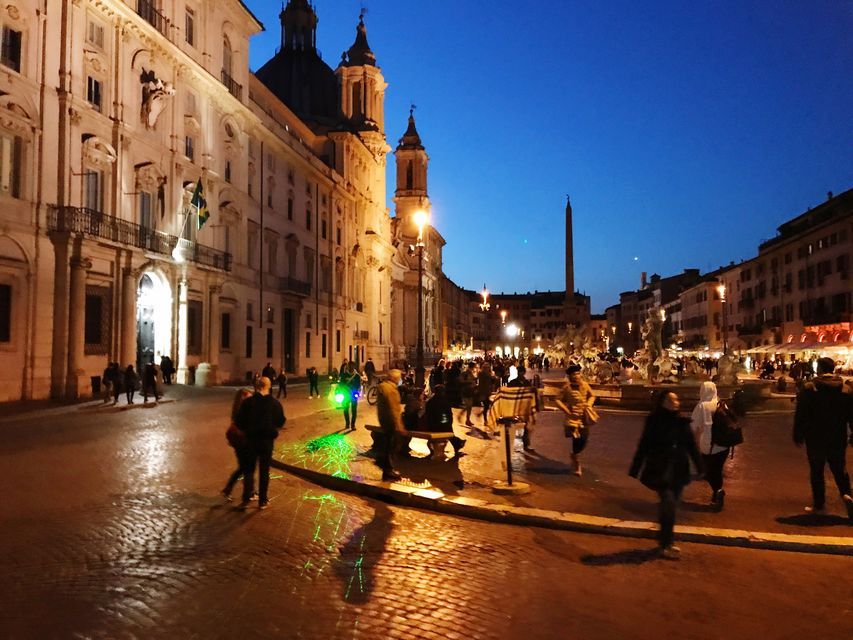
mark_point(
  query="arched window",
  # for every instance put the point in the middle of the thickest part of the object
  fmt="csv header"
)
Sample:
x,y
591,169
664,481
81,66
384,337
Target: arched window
x,y
227,57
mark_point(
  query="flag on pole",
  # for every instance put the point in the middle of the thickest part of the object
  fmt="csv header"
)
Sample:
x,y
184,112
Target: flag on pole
x,y
200,204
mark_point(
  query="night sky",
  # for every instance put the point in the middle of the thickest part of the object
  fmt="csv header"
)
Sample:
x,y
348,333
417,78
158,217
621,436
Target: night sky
x,y
685,132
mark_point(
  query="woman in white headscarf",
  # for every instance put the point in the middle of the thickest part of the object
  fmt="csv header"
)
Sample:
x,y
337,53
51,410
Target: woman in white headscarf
x,y
713,455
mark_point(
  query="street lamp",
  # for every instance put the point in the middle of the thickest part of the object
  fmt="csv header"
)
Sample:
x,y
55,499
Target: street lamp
x,y
484,305
503,316
721,289
421,219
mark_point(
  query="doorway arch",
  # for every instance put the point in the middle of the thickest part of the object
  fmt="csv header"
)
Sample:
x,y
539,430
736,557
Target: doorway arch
x,y
153,318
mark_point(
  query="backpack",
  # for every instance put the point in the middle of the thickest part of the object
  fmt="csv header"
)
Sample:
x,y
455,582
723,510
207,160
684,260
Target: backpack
x,y
725,430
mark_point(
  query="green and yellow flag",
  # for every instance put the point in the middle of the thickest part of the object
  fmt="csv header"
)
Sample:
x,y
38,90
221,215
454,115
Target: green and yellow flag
x,y
200,204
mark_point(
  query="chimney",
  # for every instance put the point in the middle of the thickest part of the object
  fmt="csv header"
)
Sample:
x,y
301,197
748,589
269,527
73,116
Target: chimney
x,y
643,280
829,195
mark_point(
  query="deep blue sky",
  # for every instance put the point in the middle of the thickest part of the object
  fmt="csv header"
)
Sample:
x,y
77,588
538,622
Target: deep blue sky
x,y
685,132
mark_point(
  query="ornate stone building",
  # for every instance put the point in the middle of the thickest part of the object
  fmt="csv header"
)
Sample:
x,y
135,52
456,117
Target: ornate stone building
x,y
111,113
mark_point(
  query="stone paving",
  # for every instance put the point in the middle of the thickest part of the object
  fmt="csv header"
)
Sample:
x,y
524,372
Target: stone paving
x,y
113,528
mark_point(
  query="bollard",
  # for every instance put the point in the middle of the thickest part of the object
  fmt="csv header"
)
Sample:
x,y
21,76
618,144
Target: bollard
x,y
507,436
509,487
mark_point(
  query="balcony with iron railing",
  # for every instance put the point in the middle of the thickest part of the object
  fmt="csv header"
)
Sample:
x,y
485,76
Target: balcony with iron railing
x,y
234,88
100,225
148,11
293,285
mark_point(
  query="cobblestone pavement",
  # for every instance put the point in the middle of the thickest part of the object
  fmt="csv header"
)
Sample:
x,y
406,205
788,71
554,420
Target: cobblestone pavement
x,y
113,528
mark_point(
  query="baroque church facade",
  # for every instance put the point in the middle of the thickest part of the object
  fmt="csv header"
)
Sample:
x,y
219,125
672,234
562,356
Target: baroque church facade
x,y
112,113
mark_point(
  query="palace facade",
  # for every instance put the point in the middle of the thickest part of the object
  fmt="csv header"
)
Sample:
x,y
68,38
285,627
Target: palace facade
x,y
112,113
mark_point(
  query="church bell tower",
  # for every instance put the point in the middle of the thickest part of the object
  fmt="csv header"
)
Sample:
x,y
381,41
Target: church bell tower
x,y
411,193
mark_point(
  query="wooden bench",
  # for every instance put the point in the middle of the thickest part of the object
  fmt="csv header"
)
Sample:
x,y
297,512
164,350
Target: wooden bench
x,y
436,441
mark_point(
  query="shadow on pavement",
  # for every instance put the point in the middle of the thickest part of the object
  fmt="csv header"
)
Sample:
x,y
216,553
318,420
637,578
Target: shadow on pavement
x,y
361,553
814,520
537,463
629,556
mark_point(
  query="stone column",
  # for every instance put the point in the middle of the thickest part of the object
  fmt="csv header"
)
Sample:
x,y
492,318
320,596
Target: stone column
x,y
59,360
213,335
127,352
77,385
183,372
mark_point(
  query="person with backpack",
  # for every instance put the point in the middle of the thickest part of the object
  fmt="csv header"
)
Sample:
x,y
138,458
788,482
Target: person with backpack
x,y
823,416
713,455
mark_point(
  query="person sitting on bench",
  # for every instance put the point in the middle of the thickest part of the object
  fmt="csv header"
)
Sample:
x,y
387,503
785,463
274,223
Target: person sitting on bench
x,y
438,417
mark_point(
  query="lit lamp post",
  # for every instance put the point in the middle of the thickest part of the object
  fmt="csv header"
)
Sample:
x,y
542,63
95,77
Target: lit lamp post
x,y
721,289
503,316
421,219
484,305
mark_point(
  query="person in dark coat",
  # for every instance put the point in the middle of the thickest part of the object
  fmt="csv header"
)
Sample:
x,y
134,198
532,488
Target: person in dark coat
x,y
438,417
260,417
167,369
350,382
314,381
370,370
131,380
281,380
823,416
149,383
662,462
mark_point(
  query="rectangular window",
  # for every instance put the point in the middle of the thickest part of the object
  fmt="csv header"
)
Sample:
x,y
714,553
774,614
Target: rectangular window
x,y
189,27
189,148
227,171
323,229
290,209
337,340
248,341
269,343
95,34
5,313
338,236
250,312
93,190
307,344
191,103
308,219
145,219
10,165
93,321
323,345
194,319
10,49
225,332
93,92
271,315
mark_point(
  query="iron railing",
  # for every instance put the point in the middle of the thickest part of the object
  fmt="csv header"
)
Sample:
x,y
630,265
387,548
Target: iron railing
x,y
148,11
234,87
100,225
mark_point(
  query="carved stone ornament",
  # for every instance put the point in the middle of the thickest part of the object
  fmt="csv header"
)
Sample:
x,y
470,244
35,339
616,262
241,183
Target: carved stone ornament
x,y
13,12
95,61
149,177
155,92
191,125
98,152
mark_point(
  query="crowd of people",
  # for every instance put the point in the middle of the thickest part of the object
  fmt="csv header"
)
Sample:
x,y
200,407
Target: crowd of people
x,y
673,449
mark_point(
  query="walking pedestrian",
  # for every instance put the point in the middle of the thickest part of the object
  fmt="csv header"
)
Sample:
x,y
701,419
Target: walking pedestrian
x,y
467,389
149,383
575,401
713,455
237,440
131,381
260,417
314,381
370,370
281,380
350,382
485,387
822,420
269,372
167,369
662,462
110,379
389,413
